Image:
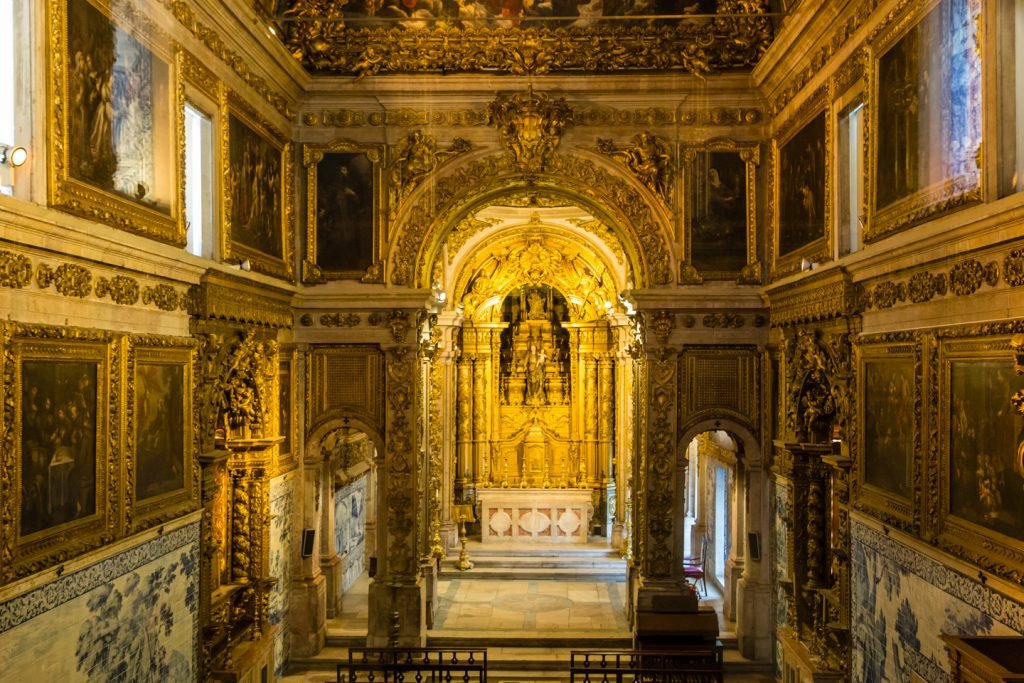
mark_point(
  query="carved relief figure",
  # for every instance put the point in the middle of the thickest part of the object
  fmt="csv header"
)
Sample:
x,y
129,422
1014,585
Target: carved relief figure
x,y
647,158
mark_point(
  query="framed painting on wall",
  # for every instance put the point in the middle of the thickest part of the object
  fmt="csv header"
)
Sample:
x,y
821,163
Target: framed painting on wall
x,y
115,119
160,459
58,490
256,202
802,182
344,210
981,432
720,210
287,424
926,122
889,410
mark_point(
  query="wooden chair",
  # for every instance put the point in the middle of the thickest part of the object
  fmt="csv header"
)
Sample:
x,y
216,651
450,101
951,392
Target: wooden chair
x,y
694,567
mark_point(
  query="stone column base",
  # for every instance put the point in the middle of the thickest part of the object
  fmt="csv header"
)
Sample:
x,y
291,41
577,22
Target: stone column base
x,y
330,568
397,613
307,616
754,620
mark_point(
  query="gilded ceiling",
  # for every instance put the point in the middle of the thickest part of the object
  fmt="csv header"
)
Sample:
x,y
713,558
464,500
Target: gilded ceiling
x,y
524,37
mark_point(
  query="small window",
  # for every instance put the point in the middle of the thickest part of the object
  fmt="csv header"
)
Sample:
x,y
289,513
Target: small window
x,y
850,178
198,181
1010,88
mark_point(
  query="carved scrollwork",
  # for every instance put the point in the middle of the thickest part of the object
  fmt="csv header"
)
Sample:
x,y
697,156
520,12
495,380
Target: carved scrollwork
x,y
339,319
887,294
967,277
15,270
723,320
245,388
412,159
649,160
69,279
530,125
735,38
925,286
121,289
164,297
1013,268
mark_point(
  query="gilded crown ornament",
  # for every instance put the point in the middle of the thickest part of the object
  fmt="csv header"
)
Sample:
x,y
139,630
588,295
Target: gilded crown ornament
x,y
530,125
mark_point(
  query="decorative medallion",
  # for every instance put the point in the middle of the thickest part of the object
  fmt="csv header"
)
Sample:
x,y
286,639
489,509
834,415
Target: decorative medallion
x,y
530,125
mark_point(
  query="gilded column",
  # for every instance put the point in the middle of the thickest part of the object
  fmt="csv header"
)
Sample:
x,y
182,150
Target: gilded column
x,y
464,420
606,416
480,431
590,419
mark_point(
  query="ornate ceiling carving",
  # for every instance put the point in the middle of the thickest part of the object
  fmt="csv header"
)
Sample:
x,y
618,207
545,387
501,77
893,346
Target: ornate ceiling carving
x,y
417,36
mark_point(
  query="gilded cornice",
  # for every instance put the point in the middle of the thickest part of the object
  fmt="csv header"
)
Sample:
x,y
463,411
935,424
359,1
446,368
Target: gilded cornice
x,y
820,296
582,116
212,40
17,271
219,296
964,278
324,44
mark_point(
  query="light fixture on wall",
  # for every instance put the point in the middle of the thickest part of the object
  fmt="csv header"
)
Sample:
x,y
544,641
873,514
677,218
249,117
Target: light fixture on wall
x,y
13,156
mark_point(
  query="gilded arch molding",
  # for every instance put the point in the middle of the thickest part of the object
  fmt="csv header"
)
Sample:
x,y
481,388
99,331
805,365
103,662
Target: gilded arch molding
x,y
422,227
539,254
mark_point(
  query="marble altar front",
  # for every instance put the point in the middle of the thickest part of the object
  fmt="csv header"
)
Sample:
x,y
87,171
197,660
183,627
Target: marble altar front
x,y
535,515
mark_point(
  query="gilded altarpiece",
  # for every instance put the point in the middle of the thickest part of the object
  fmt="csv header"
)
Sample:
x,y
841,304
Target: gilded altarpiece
x,y
535,396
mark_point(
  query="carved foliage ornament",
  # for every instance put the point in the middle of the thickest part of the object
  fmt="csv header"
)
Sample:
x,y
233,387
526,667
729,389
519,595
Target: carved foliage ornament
x,y
15,270
530,125
661,324
316,35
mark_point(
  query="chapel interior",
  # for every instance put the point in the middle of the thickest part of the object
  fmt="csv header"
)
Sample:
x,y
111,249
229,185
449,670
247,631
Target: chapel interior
x,y
536,326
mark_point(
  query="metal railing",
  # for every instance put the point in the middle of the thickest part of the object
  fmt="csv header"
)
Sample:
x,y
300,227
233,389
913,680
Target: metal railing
x,y
689,664
413,665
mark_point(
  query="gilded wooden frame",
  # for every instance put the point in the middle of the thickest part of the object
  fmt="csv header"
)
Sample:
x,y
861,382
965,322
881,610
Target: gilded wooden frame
x,y
287,384
997,552
168,352
750,154
125,210
889,506
819,249
939,197
233,109
312,157
23,554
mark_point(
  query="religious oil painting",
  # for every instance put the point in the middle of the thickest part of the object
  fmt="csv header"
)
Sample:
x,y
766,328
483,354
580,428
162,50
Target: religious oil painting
x,y
513,13
888,425
255,182
801,188
161,454
58,443
719,208
159,415
113,143
60,491
344,206
986,446
928,121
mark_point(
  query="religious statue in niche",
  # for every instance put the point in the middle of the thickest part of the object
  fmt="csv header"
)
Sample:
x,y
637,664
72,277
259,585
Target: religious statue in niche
x,y
535,348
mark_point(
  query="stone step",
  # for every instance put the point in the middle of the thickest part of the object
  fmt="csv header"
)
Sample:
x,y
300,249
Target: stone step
x,y
534,574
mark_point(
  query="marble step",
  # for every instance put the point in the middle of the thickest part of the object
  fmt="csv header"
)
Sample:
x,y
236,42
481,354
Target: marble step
x,y
483,573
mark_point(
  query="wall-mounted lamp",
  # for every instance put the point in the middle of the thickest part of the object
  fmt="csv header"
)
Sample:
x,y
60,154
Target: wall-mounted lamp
x,y
13,156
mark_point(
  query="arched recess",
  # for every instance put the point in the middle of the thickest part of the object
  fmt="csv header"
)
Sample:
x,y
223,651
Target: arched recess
x,y
324,459
753,600
642,223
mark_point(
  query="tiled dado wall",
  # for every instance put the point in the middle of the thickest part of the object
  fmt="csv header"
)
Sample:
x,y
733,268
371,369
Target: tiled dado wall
x,y
350,530
127,614
903,599
283,546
